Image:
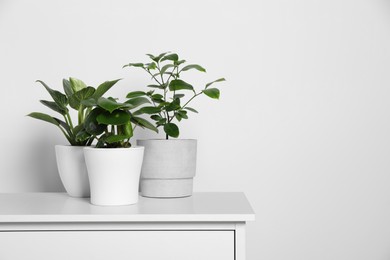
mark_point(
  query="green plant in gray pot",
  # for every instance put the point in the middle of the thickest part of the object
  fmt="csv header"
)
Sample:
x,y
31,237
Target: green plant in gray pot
x,y
70,158
114,165
169,164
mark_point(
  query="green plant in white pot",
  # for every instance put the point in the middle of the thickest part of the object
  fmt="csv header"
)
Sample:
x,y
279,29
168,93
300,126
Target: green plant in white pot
x,y
169,164
114,166
70,158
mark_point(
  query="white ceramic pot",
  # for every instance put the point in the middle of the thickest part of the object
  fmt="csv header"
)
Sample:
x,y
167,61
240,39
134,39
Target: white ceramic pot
x,y
114,174
169,168
72,170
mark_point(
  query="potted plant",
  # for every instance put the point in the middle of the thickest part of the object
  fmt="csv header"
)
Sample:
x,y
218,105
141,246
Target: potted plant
x,y
169,164
70,158
114,166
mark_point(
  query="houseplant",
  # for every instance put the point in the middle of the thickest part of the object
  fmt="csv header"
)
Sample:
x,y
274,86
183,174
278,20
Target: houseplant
x,y
70,158
169,165
114,166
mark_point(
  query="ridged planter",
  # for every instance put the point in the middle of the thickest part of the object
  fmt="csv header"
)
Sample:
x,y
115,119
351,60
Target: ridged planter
x,y
72,170
114,174
169,168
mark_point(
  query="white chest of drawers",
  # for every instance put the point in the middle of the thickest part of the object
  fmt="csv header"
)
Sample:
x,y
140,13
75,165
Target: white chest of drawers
x,y
54,226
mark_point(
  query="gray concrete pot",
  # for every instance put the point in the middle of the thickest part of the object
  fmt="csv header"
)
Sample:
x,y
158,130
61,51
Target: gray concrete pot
x,y
168,168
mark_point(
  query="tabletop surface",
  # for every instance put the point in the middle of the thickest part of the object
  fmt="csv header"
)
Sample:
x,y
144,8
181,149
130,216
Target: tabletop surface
x,y
59,207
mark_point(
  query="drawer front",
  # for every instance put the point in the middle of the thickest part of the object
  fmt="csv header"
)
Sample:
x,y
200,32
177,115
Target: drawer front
x,y
118,245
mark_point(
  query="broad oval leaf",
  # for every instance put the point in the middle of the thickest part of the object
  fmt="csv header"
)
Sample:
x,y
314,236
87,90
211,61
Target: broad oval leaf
x,y
44,117
144,123
171,129
77,97
91,124
134,94
103,88
172,57
89,102
77,84
115,138
117,117
57,96
194,66
110,104
212,92
135,102
174,105
67,87
179,84
54,106
147,110
166,67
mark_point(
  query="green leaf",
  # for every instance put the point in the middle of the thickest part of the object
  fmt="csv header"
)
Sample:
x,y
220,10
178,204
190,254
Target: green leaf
x,y
135,102
194,66
140,65
57,96
91,124
218,80
178,84
53,105
82,136
147,110
117,117
156,117
166,67
157,58
127,129
191,109
177,63
135,94
212,92
155,86
44,117
77,84
174,105
103,88
151,66
178,96
157,98
67,87
115,138
110,104
77,97
171,129
172,57
144,123
183,114
89,102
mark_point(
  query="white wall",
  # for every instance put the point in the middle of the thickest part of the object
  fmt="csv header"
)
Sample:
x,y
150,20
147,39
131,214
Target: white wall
x,y
302,126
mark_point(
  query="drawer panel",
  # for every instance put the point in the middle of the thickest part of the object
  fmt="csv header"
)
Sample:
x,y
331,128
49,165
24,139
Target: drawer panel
x,y
118,245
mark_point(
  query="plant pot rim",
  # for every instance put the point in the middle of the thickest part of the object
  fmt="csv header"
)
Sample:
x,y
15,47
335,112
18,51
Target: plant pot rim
x,y
113,149
70,146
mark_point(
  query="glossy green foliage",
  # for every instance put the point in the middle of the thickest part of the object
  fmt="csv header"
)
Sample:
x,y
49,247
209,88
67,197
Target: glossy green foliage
x,y
112,122
168,91
78,96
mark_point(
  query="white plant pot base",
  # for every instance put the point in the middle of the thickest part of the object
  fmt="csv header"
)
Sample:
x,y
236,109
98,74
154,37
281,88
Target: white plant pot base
x,y
167,188
72,170
114,175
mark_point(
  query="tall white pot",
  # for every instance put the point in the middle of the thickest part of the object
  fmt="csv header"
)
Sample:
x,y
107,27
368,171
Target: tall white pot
x,y
169,168
114,174
72,170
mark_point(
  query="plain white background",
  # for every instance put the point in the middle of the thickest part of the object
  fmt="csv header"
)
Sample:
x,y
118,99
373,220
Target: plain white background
x,y
302,126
